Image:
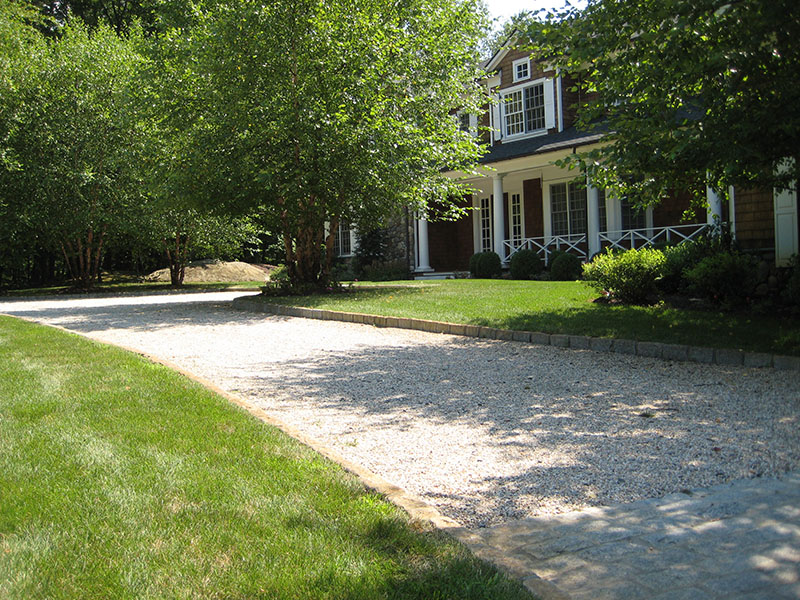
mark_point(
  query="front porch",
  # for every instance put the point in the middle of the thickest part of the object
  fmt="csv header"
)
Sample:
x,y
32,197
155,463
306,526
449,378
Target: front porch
x,y
538,206
623,239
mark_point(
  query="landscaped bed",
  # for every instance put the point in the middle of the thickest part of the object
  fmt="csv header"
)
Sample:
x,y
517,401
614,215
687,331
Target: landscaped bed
x,y
122,479
566,307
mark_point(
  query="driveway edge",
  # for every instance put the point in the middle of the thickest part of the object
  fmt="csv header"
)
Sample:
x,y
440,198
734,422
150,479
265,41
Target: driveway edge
x,y
663,351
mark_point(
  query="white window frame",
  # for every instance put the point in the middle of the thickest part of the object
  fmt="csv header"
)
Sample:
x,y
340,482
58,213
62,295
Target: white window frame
x,y
485,225
570,189
522,62
516,219
548,107
351,237
472,127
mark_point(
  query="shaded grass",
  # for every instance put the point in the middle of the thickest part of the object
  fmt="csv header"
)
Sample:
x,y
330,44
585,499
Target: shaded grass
x,y
122,479
123,284
564,307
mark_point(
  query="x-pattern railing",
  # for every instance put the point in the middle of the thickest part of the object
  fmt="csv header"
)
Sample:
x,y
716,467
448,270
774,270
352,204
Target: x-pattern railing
x,y
616,239
545,246
652,235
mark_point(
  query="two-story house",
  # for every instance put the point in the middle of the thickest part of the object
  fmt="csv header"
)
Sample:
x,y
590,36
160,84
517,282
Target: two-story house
x,y
523,200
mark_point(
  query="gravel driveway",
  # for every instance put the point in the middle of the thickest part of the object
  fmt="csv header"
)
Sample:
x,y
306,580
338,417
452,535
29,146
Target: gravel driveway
x,y
487,431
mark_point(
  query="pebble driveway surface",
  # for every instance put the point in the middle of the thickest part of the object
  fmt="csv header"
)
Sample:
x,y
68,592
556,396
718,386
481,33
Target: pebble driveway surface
x,y
588,475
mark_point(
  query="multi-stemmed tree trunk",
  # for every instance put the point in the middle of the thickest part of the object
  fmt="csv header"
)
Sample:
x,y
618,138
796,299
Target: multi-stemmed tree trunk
x,y
177,251
82,257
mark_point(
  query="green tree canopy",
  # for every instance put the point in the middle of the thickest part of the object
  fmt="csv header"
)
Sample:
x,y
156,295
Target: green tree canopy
x,y
73,143
690,90
320,112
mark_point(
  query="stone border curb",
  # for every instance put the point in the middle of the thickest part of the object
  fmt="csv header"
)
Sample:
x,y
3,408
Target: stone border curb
x,y
663,351
417,509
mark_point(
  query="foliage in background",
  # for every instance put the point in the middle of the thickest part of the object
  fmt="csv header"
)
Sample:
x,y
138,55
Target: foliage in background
x,y
525,264
629,276
322,112
73,144
686,91
792,291
564,266
683,256
485,265
725,278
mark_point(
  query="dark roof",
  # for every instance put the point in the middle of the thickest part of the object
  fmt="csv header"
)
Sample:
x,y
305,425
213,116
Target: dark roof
x,y
568,138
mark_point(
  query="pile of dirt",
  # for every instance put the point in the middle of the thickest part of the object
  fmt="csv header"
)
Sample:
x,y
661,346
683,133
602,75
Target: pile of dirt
x,y
210,271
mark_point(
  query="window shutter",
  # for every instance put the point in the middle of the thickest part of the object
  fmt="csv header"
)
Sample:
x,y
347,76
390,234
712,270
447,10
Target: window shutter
x,y
473,124
549,104
786,233
497,115
786,243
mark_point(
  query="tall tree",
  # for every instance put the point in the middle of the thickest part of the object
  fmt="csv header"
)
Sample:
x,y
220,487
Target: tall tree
x,y
76,143
322,112
689,90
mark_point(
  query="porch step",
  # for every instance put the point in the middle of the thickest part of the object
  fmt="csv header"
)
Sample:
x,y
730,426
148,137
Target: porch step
x,y
435,275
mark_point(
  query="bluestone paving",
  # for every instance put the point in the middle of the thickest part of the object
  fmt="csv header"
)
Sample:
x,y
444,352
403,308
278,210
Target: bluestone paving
x,y
737,540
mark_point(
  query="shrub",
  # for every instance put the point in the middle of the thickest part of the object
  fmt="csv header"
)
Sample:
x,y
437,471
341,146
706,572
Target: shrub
x,y
371,250
485,265
728,279
525,264
792,289
385,271
565,267
677,260
629,276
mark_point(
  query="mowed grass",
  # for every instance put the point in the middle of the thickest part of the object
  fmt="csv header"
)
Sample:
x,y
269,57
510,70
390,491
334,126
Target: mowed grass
x,y
122,479
564,307
123,285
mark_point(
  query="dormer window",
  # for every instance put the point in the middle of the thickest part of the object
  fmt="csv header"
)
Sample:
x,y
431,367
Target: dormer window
x,y
467,122
521,69
524,110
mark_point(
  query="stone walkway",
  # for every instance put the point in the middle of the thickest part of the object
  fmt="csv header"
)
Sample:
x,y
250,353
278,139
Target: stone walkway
x,y
738,540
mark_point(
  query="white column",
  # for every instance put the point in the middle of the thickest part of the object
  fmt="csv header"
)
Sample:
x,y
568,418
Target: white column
x,y
714,206
592,218
498,225
732,210
424,264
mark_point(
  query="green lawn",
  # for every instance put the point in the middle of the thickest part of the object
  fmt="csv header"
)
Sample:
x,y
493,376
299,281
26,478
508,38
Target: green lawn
x,y
122,479
129,285
561,307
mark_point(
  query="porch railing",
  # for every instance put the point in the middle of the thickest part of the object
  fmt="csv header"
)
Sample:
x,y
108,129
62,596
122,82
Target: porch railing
x,y
623,240
634,238
544,247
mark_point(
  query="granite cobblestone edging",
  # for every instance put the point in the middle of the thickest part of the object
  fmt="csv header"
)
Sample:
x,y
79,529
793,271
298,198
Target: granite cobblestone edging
x,y
664,351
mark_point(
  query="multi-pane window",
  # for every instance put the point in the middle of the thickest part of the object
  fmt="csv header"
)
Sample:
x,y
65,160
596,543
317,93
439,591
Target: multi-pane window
x,y
486,225
516,219
463,121
567,209
577,208
524,110
632,217
522,69
515,116
342,241
534,107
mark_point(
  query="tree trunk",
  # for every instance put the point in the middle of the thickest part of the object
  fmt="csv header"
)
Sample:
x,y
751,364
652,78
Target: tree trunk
x,y
177,252
83,258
